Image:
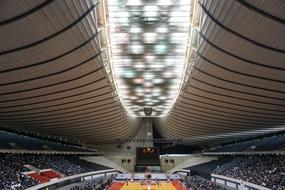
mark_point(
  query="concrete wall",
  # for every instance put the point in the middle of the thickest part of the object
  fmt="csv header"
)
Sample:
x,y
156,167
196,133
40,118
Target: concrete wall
x,y
184,161
165,166
143,138
102,160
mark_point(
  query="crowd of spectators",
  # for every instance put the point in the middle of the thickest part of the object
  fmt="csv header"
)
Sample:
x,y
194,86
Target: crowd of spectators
x,y
12,168
56,162
94,184
267,171
282,147
11,176
199,183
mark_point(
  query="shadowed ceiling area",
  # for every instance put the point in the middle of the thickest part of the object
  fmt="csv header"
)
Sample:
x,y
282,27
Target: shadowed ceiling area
x,y
56,78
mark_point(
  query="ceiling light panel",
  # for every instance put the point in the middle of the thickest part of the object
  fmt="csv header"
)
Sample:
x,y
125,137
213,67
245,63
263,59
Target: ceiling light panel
x,y
148,41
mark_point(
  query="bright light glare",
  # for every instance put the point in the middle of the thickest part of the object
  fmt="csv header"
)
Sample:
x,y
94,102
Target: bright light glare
x,y
148,51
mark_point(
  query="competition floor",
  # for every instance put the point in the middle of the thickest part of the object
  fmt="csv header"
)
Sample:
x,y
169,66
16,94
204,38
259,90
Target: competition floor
x,y
174,185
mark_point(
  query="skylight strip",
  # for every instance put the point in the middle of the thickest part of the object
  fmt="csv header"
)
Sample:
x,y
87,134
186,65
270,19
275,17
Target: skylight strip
x,y
148,47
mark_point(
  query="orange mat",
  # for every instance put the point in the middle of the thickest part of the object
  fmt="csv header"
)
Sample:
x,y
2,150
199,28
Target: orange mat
x,y
116,186
179,185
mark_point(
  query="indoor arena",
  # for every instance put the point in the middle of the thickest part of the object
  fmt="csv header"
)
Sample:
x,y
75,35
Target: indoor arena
x,y
142,94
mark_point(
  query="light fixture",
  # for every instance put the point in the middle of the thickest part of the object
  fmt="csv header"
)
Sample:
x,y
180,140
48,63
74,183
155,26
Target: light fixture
x,y
148,43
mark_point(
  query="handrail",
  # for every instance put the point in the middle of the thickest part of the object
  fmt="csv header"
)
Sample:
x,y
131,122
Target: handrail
x,y
229,179
246,153
17,151
181,171
47,184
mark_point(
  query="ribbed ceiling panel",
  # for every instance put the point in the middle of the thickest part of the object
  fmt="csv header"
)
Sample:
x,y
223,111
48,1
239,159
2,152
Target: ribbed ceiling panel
x,y
237,82
53,80
52,77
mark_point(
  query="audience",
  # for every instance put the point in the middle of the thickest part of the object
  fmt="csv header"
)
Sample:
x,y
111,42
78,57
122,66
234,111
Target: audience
x,y
200,183
11,176
58,163
94,184
12,168
267,171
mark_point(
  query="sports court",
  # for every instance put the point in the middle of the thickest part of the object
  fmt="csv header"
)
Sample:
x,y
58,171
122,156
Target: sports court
x,y
136,185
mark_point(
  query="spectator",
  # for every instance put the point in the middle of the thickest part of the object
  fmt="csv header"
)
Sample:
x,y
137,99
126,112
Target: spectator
x,y
11,176
267,171
12,168
96,184
200,183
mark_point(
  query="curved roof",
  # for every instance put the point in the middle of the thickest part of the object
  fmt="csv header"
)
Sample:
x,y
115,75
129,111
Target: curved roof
x,y
54,80
236,84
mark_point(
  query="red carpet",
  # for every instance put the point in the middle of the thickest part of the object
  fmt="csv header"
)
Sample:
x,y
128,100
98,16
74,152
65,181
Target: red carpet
x,y
116,186
179,185
45,176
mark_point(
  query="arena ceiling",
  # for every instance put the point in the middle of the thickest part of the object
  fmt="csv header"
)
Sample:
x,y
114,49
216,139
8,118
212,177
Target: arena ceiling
x,y
56,77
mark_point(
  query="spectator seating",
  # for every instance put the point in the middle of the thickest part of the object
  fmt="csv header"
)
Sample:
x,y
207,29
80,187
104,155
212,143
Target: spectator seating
x,y
12,141
265,144
205,169
13,169
266,171
11,176
200,183
86,165
45,176
98,183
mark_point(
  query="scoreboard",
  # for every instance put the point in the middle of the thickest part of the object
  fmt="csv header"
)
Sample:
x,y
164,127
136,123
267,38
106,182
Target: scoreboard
x,y
147,156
